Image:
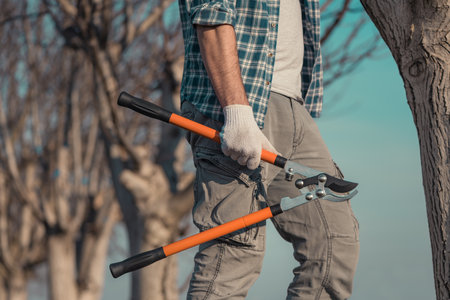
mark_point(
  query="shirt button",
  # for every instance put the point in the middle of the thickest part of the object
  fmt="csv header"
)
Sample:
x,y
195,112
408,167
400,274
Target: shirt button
x,y
267,83
270,54
273,24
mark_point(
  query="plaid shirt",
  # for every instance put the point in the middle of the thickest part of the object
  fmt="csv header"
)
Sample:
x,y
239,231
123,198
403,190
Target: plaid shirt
x,y
255,23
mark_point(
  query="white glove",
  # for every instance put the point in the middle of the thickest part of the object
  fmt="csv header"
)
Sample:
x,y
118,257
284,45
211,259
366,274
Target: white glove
x,y
242,139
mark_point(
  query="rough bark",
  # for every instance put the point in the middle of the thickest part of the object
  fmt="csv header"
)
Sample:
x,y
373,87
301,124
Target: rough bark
x,y
418,35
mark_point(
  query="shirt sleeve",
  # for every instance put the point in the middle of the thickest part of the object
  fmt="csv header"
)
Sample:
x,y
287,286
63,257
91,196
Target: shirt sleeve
x,y
212,12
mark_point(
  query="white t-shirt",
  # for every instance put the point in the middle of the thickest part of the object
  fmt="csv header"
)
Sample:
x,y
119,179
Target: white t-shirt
x,y
289,51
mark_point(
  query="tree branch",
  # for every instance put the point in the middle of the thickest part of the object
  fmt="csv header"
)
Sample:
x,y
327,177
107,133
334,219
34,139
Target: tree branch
x,y
133,32
325,5
337,20
5,257
68,8
12,168
23,16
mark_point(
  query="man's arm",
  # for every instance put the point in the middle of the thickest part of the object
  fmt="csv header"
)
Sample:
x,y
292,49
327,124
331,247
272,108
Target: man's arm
x,y
220,57
242,139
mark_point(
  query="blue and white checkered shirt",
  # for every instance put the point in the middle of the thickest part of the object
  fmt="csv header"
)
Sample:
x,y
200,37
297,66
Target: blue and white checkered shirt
x,y
255,23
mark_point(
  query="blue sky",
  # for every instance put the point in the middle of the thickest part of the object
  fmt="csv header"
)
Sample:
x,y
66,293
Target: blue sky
x,y
368,127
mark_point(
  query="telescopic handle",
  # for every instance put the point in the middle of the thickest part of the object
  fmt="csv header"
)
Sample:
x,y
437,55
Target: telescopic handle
x,y
146,258
154,111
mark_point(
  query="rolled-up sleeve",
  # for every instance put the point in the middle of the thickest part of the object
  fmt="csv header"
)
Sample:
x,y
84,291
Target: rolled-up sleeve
x,y
210,13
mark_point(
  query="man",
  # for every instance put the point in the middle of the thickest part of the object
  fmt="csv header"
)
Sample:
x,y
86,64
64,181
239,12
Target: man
x,y
253,71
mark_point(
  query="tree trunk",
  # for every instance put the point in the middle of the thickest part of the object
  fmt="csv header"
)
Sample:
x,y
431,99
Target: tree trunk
x,y
106,90
150,191
3,288
418,35
16,287
130,212
61,263
161,276
162,212
147,196
95,248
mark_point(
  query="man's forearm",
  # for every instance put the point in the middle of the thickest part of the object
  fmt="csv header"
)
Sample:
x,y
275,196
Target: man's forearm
x,y
219,53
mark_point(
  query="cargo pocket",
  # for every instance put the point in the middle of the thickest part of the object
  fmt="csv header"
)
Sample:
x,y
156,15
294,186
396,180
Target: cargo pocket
x,y
224,191
348,215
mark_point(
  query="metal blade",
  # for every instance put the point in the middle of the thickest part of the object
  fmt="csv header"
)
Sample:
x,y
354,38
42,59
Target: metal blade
x,y
312,177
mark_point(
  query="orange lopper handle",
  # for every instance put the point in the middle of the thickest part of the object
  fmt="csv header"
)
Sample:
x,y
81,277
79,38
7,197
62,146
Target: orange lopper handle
x,y
154,111
218,231
212,134
146,258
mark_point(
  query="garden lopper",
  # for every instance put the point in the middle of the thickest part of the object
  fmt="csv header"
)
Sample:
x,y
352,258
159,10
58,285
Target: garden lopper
x,y
312,184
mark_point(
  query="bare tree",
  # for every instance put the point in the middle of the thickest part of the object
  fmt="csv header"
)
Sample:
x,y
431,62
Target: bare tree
x,y
22,243
418,35
47,151
153,190
71,81
21,234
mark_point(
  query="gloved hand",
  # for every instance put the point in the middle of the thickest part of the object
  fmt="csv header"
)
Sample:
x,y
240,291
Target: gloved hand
x,y
242,139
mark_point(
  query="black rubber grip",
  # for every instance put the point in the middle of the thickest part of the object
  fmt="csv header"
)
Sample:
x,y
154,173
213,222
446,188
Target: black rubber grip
x,y
136,262
276,209
144,107
280,161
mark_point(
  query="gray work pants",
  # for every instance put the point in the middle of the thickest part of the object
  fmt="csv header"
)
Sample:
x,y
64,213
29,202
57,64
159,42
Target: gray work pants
x,y
324,234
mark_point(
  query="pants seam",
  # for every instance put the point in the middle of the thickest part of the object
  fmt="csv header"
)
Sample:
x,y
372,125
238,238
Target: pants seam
x,y
294,140
209,291
329,250
298,128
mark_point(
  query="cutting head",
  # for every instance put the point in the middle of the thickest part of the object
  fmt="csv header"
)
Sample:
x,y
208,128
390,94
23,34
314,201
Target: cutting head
x,y
313,177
